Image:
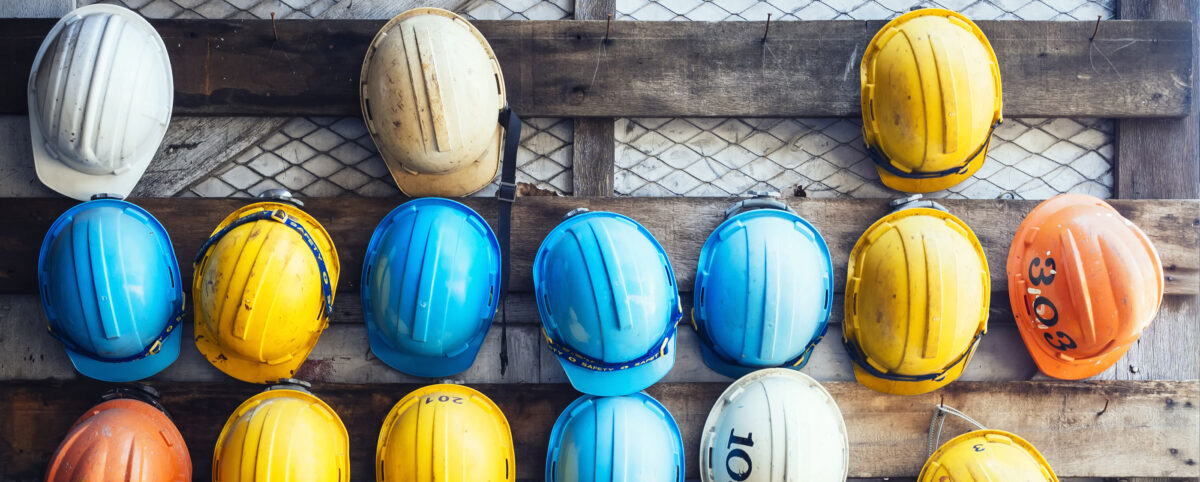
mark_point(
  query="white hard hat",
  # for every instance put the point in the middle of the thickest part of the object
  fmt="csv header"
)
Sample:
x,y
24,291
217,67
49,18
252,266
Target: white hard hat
x,y
100,99
432,93
775,425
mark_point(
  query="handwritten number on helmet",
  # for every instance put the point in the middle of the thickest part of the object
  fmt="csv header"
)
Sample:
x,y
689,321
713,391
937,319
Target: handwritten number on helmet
x,y
1041,306
1044,309
738,472
444,399
978,447
1041,277
1064,341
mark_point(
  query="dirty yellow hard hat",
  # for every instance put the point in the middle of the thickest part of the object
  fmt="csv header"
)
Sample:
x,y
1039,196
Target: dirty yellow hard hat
x,y
445,433
283,434
917,296
930,99
263,289
432,93
983,454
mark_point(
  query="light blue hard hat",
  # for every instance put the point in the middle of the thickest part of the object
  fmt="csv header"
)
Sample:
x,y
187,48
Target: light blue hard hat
x,y
608,303
110,288
764,288
630,438
430,287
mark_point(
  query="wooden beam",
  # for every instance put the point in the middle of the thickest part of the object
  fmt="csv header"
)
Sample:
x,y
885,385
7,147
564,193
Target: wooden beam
x,y
27,352
594,145
1104,429
1160,158
656,69
593,171
680,224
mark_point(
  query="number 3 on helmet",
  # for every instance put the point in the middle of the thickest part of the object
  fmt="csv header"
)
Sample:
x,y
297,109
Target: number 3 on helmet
x,y
1084,282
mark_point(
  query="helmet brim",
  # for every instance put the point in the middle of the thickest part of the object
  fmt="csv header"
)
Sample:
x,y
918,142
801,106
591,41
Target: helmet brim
x,y
246,370
424,366
620,382
717,364
895,387
78,185
1079,369
131,370
457,183
911,185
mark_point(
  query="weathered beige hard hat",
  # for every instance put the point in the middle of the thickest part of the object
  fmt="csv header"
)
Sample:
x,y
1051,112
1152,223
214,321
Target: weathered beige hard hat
x,y
431,95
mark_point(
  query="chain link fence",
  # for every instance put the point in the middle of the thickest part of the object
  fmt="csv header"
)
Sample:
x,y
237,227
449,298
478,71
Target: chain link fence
x,y
1029,158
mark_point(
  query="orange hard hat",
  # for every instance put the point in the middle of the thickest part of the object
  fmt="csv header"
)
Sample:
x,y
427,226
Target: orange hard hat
x,y
1083,282
122,439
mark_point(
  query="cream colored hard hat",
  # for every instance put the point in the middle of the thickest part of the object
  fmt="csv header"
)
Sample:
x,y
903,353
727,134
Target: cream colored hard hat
x,y
432,94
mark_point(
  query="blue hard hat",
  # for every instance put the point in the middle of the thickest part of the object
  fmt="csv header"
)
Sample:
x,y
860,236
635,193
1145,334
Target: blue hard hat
x,y
111,290
764,288
608,303
430,287
630,438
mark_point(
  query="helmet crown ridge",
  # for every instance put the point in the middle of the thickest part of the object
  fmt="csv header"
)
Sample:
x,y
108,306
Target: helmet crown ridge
x,y
430,286
448,433
100,100
1084,283
919,272
930,98
431,95
249,323
763,292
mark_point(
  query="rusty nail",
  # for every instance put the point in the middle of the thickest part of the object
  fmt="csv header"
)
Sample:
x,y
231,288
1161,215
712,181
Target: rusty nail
x,y
608,27
768,29
273,29
1097,30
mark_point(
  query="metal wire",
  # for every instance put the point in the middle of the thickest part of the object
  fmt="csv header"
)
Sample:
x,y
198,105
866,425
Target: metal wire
x,y
939,416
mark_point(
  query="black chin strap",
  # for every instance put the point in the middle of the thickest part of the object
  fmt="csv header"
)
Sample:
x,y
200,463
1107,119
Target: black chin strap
x,y
507,194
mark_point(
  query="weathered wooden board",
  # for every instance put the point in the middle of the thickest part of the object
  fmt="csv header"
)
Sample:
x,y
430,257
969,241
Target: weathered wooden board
x,y
594,147
342,355
657,69
680,224
594,144
1083,429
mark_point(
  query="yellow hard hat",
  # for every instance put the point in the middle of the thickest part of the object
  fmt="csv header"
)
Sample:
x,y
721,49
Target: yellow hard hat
x,y
431,95
987,455
263,289
917,297
282,434
445,433
930,99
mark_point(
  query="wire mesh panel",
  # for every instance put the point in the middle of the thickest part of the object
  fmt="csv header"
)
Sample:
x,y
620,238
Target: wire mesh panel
x,y
1028,159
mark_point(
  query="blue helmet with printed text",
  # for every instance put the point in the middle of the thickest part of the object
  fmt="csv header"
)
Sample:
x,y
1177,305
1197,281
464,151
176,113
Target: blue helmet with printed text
x,y
608,303
610,439
111,291
430,287
764,288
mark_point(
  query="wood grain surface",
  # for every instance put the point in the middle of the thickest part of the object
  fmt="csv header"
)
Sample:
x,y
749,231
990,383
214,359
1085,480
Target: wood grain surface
x,y
655,69
680,224
1083,429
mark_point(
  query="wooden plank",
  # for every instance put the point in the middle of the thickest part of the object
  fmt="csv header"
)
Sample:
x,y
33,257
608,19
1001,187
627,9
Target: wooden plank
x,y
1148,428
595,148
680,224
594,145
1161,159
658,69
342,354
